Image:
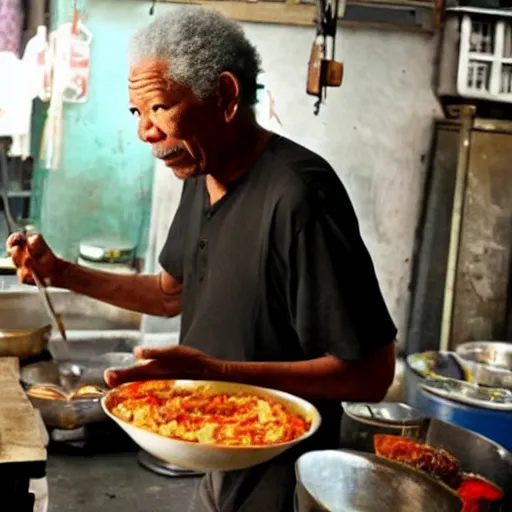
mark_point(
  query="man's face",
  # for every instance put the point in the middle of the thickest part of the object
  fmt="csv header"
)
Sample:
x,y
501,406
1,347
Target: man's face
x,y
183,131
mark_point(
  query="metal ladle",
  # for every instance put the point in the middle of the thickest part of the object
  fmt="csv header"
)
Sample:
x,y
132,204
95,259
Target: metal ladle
x,y
70,375
43,293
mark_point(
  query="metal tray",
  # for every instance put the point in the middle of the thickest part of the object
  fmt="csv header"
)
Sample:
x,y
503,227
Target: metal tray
x,y
496,399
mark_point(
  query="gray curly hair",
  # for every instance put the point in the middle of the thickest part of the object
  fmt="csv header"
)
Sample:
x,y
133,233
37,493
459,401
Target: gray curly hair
x,y
199,45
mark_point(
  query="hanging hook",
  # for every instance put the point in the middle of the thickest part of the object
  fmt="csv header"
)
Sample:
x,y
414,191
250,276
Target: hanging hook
x,y
316,106
152,8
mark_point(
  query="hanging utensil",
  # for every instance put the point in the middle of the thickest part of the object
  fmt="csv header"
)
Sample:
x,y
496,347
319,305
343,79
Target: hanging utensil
x,y
323,70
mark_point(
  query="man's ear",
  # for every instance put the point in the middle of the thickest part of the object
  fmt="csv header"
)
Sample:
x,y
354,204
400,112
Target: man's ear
x,y
228,95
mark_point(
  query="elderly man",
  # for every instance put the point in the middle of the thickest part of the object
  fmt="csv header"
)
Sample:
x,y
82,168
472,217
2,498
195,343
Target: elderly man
x,y
264,260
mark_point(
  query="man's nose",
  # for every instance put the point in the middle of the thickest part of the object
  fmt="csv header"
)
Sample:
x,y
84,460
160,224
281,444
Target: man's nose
x,y
149,132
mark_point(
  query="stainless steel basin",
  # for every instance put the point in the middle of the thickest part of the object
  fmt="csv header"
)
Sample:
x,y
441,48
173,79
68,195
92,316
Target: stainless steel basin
x,y
493,353
89,344
21,308
490,362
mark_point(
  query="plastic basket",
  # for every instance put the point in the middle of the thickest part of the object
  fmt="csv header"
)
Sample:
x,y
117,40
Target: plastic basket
x,y
485,58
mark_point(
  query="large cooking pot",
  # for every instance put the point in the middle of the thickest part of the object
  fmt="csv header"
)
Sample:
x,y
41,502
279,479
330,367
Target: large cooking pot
x,y
347,481
361,421
24,343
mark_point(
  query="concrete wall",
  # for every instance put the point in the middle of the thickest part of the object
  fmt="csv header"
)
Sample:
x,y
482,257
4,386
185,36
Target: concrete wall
x,y
375,130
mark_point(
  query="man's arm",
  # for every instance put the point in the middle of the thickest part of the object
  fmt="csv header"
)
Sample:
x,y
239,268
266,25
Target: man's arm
x,y
157,295
324,378
335,307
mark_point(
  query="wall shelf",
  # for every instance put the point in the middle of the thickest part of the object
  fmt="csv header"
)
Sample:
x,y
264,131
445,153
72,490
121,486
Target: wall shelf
x,y
410,15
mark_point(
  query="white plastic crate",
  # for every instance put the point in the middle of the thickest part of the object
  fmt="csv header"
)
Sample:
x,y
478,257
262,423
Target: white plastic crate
x,y
485,58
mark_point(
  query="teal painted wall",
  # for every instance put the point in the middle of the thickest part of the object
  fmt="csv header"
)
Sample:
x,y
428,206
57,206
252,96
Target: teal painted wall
x,y
103,186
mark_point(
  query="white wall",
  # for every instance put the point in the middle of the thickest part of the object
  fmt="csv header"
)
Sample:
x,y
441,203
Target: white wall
x,y
375,131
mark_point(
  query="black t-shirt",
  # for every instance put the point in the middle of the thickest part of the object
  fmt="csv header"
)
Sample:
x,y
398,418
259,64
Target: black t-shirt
x,y
277,270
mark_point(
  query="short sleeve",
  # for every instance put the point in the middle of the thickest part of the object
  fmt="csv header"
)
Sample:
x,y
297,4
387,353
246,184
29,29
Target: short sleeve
x,y
334,298
171,255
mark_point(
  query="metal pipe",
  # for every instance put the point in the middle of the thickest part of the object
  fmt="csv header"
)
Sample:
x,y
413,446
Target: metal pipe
x,y
466,114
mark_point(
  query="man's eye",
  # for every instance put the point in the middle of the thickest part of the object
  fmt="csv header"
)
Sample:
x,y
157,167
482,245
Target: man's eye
x,y
159,106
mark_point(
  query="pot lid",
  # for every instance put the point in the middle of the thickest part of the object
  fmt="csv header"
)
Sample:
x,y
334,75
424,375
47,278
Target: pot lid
x,y
384,412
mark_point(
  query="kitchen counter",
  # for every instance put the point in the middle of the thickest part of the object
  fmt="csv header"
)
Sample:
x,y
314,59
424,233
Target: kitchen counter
x,y
114,482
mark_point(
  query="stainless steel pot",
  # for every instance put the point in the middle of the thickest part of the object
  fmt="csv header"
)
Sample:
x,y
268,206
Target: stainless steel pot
x,y
361,421
24,343
490,362
346,481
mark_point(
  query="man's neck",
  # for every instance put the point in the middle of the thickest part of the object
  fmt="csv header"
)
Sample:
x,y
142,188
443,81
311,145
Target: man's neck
x,y
250,141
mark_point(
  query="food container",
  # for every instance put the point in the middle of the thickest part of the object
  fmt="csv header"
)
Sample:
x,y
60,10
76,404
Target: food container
x,y
209,457
361,421
348,481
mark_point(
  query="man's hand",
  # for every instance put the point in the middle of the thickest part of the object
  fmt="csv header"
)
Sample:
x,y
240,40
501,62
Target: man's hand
x,y
31,253
175,362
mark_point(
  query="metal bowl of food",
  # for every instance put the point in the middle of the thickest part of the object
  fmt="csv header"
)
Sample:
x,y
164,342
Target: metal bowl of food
x,y
66,393
361,421
252,424
490,362
348,481
67,411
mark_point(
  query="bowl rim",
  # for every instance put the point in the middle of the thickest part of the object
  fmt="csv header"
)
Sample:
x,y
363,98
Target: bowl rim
x,y
316,419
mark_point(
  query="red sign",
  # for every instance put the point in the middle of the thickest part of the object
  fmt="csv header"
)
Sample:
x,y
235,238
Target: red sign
x,y
72,52
77,90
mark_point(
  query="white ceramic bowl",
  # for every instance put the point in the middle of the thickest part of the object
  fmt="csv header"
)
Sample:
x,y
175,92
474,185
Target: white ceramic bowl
x,y
204,457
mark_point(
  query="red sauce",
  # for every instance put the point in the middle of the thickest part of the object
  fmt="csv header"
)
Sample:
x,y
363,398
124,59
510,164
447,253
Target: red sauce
x,y
474,489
